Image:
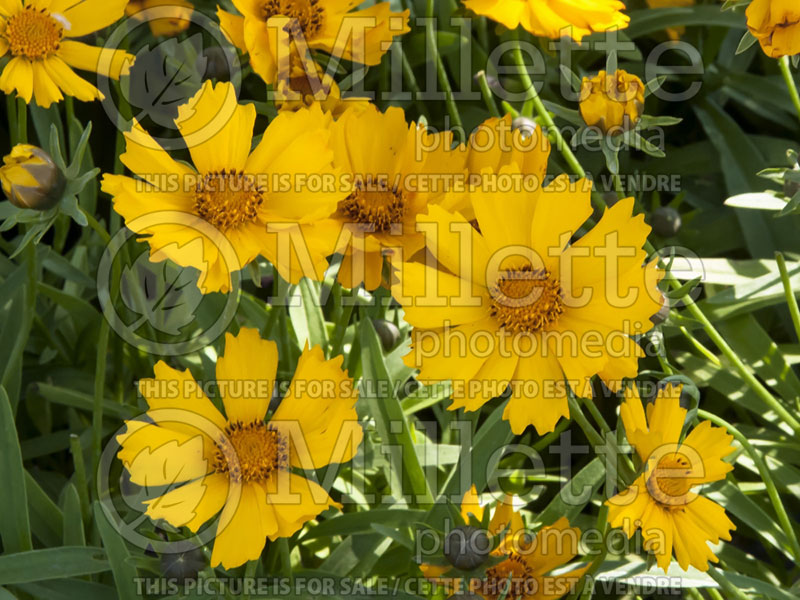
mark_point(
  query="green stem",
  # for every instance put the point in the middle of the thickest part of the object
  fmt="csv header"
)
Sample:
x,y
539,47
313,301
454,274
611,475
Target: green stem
x,y
791,85
791,300
734,359
11,109
772,490
94,224
486,91
430,31
411,82
81,482
699,346
722,580
22,121
533,96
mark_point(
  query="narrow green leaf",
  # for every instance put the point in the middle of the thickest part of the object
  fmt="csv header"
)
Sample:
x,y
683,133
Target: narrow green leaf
x,y
125,573
15,529
51,563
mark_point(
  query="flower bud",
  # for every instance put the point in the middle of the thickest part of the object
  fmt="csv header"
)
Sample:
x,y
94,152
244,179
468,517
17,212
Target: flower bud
x,y
30,178
776,26
182,565
666,221
467,547
612,102
387,332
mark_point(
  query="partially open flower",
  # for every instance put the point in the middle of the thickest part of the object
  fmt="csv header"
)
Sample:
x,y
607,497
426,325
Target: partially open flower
x,y
30,178
776,25
612,102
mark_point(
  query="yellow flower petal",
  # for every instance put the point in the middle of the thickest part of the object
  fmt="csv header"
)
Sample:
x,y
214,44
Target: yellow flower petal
x,y
247,371
88,16
217,130
318,412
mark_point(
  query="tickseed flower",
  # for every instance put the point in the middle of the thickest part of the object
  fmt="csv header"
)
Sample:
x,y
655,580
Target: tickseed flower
x,y
30,178
250,201
361,36
396,169
776,25
554,18
495,144
519,305
241,464
37,35
661,502
613,103
176,19
527,557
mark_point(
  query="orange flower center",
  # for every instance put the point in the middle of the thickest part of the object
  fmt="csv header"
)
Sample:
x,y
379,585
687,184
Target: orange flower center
x,y
305,14
669,483
513,574
374,204
33,33
228,199
251,451
526,300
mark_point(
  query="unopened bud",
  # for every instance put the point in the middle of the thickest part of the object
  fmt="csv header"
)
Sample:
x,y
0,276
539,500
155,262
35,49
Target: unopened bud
x,y
467,547
30,178
666,221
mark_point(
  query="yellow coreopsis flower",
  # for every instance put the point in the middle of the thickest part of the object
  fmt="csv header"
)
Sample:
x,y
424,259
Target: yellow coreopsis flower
x,y
30,178
233,199
528,558
241,465
614,103
177,15
776,25
331,26
554,18
661,502
395,170
38,36
520,306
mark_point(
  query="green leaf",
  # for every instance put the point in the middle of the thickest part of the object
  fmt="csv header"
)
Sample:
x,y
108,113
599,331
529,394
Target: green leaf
x,y
72,531
573,497
125,573
361,522
51,563
390,419
15,529
46,518
650,20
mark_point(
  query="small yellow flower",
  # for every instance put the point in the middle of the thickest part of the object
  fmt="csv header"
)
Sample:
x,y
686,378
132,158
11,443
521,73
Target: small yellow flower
x,y
176,15
38,36
265,26
776,25
660,502
518,302
30,178
614,103
554,18
232,198
523,575
241,464
395,170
